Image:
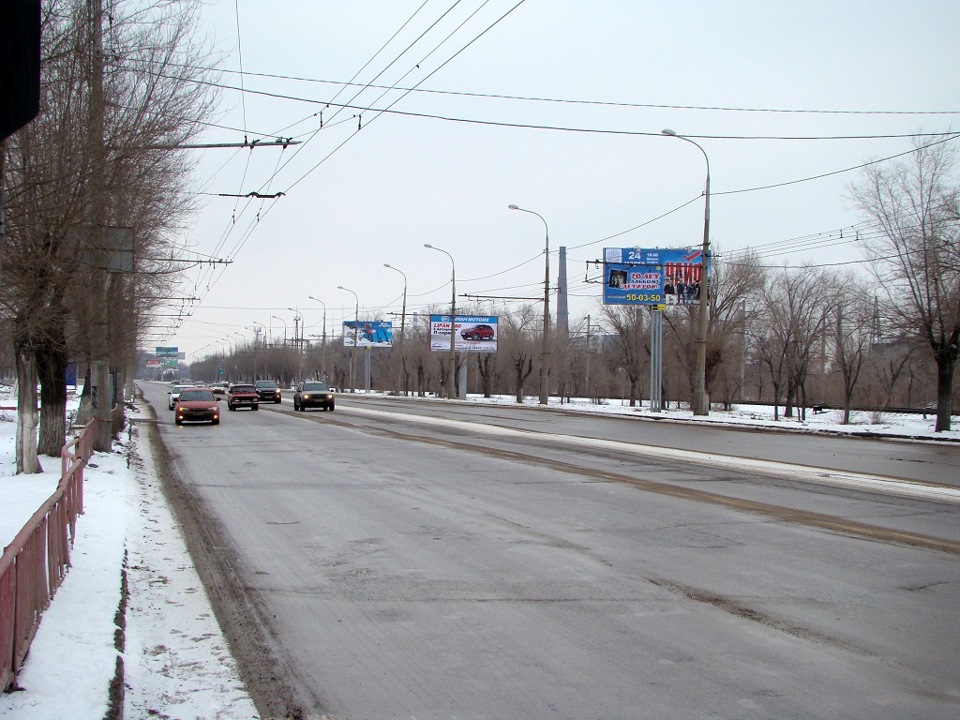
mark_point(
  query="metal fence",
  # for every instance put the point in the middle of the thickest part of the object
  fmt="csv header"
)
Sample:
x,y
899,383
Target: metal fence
x,y
34,564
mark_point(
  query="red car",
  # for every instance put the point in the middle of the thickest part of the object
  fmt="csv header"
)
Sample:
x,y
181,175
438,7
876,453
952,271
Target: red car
x,y
242,396
477,332
197,405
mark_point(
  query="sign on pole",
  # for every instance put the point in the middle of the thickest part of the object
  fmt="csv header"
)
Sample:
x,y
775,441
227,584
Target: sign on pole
x,y
376,333
474,333
658,276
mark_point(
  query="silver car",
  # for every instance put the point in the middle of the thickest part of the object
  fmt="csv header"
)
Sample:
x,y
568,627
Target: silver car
x,y
175,394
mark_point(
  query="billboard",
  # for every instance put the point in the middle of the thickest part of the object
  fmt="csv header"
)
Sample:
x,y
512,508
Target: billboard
x,y
657,276
167,352
473,333
368,333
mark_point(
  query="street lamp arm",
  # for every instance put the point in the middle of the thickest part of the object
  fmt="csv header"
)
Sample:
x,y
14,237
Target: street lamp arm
x,y
672,133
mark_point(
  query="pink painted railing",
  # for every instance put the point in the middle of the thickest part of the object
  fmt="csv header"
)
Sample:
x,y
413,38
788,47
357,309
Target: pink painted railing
x,y
34,564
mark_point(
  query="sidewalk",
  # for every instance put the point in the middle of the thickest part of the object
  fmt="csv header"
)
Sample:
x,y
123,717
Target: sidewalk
x,y
172,659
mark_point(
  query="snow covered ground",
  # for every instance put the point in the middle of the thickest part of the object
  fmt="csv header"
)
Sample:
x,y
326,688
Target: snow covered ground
x,y
176,661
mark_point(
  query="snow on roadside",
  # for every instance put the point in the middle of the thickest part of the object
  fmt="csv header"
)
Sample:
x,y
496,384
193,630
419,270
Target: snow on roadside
x,y
176,660
72,658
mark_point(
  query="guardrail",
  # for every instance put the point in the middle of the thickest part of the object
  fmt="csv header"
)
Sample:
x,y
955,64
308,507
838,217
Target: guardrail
x,y
34,564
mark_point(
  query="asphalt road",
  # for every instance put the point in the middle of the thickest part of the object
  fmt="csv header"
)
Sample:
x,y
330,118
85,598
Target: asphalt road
x,y
369,563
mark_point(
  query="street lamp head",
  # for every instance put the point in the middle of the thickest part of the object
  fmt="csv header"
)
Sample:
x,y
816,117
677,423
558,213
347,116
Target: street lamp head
x,y
668,131
513,207
428,245
340,287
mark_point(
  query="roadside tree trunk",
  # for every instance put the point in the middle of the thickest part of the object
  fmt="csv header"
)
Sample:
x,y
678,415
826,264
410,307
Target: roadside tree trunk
x,y
28,462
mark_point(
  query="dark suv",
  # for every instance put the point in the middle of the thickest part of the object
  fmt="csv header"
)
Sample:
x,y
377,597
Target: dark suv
x,y
313,393
478,332
268,391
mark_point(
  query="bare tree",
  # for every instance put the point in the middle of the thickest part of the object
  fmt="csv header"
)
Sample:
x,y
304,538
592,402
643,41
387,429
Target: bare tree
x,y
489,372
791,313
735,284
732,282
518,343
915,253
152,103
631,346
850,334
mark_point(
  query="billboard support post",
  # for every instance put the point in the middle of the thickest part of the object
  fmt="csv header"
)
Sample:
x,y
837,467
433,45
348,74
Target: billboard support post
x,y
656,359
366,370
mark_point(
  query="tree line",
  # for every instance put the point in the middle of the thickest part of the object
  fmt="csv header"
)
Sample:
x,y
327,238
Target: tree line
x,y
882,336
92,205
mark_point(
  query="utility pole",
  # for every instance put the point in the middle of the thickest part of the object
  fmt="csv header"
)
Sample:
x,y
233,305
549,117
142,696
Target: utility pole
x,y
101,396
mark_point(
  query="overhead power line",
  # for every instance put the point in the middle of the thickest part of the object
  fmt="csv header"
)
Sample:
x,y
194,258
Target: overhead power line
x,y
598,103
390,110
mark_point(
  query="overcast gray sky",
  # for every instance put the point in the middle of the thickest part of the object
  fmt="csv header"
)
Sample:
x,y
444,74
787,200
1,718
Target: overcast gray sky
x,y
554,105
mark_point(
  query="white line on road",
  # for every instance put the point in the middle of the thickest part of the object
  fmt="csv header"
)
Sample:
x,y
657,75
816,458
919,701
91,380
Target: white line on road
x,y
823,476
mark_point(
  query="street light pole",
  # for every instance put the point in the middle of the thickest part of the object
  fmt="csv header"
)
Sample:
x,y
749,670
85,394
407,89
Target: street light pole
x,y
545,352
403,319
451,390
701,399
356,327
283,356
298,340
257,329
323,341
236,370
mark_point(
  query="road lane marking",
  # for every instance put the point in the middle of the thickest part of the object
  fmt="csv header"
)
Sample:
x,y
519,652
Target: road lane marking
x,y
823,476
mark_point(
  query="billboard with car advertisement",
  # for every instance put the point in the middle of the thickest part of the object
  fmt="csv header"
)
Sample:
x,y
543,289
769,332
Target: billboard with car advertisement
x,y
368,333
657,276
473,333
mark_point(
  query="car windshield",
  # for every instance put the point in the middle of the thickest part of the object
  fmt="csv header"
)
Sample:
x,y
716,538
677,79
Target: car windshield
x,y
266,384
181,388
188,395
315,386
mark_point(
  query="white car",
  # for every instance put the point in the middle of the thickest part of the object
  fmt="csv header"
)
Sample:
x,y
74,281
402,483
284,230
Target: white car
x,y
175,394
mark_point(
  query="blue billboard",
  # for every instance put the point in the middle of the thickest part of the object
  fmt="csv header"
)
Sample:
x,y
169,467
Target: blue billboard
x,y
368,333
657,276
